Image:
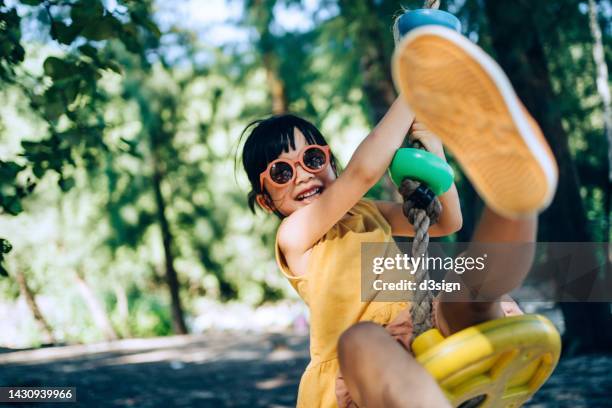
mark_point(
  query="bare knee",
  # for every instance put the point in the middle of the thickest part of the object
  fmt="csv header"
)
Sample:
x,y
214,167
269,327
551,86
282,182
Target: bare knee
x,y
357,338
379,372
359,349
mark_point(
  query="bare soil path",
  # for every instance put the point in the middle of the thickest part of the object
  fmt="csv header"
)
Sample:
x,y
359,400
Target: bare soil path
x,y
227,369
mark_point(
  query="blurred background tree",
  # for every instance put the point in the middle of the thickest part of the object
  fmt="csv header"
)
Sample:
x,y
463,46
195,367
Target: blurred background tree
x,y
120,207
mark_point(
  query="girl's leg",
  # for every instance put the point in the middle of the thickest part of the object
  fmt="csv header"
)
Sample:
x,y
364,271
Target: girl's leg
x,y
509,259
380,373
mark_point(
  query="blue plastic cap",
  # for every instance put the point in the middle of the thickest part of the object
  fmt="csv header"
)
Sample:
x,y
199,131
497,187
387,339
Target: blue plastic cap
x,y
420,17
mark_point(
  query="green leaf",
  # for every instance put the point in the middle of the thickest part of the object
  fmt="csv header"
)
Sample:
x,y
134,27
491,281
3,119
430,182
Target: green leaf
x,y
87,11
9,170
131,29
152,28
38,170
113,66
54,109
130,40
32,2
57,68
66,183
104,29
89,50
71,91
5,246
65,33
14,207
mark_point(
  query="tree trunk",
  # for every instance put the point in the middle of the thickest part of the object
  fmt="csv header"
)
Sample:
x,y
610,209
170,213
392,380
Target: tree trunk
x,y
122,309
95,307
602,79
26,292
520,52
276,85
604,92
178,321
262,16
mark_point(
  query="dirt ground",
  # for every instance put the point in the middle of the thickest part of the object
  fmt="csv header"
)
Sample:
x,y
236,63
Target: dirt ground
x,y
227,369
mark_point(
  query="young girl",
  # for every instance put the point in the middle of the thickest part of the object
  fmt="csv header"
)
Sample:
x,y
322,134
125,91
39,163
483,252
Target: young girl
x,y
325,219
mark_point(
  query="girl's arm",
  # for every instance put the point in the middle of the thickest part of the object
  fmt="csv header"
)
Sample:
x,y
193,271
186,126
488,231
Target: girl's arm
x,y
450,219
303,228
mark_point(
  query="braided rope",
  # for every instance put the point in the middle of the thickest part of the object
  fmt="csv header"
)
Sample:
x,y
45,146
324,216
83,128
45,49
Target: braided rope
x,y
421,219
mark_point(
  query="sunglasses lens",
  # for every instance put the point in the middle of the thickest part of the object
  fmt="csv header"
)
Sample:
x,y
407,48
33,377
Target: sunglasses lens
x,y
281,172
314,158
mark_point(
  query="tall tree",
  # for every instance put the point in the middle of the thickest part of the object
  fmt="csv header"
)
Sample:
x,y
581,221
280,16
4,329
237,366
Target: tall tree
x,y
603,89
30,299
602,78
96,308
157,108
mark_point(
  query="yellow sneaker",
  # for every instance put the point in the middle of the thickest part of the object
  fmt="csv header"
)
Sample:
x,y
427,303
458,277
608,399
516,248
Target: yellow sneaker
x,y
462,95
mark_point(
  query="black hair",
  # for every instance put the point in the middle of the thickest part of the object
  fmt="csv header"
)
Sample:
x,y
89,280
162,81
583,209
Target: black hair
x,y
266,140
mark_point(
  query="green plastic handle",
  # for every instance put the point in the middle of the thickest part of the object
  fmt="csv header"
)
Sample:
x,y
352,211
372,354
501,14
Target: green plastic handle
x,y
421,165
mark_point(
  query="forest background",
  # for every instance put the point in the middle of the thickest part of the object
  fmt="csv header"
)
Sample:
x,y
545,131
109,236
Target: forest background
x,y
122,200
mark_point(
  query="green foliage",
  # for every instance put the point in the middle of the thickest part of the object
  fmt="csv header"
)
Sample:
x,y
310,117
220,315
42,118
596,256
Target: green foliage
x,y
72,101
11,190
149,316
124,155
5,248
11,50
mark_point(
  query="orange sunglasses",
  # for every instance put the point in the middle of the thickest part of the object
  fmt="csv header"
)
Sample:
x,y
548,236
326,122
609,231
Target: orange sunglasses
x,y
312,158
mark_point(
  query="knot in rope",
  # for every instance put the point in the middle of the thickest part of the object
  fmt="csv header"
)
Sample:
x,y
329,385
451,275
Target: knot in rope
x,y
413,192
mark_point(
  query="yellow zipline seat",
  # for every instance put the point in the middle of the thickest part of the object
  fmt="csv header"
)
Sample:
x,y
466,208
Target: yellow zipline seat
x,y
497,364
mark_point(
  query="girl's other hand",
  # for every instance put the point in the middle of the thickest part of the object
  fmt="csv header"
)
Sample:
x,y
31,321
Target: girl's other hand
x,y
432,143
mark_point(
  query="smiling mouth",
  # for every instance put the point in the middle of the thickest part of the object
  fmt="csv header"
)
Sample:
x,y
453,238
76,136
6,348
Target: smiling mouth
x,y
310,193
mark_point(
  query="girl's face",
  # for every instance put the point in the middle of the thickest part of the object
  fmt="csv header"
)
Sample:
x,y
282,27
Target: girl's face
x,y
303,190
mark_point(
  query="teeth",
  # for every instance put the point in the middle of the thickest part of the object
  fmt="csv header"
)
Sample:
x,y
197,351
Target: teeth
x,y
310,194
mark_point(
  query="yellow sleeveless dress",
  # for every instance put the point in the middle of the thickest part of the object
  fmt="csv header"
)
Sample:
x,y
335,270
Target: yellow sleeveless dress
x,y
331,288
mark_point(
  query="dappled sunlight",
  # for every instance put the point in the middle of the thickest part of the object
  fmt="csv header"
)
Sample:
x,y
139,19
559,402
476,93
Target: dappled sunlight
x,y
175,350
272,383
131,263
125,346
282,354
